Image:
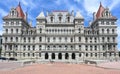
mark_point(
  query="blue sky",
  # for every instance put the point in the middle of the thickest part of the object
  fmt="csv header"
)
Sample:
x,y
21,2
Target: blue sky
x,y
86,8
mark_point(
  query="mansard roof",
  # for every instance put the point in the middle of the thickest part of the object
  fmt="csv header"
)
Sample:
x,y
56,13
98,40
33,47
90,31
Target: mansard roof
x,y
100,11
20,11
78,15
41,15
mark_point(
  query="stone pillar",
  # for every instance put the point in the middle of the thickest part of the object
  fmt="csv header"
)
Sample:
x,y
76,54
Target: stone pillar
x,y
49,56
63,56
42,56
56,56
77,57
70,57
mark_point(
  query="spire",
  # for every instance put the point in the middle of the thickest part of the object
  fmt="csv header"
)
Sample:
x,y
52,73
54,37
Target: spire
x,y
78,15
100,4
20,11
100,11
19,4
41,15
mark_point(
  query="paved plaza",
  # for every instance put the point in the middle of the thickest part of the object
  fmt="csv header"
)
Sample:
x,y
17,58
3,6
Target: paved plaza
x,y
58,68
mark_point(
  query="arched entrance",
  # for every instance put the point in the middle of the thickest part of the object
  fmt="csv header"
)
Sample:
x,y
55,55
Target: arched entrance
x,y
53,55
46,56
66,56
60,56
73,55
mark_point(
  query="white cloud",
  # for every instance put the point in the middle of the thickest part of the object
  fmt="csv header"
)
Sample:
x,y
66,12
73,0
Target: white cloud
x,y
58,2
78,1
114,3
2,12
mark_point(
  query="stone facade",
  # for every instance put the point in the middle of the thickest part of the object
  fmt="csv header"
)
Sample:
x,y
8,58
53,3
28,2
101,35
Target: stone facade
x,y
0,42
60,36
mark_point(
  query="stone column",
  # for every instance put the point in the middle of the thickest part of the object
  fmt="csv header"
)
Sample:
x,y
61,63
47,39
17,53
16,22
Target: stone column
x,y
77,57
63,56
70,57
49,55
42,56
56,56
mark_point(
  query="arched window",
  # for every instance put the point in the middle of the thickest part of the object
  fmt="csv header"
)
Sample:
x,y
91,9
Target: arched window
x,y
107,31
68,18
113,39
113,31
108,39
28,47
16,30
103,31
60,19
79,39
6,30
11,30
12,13
16,39
28,54
23,54
103,39
40,30
40,39
107,13
51,18
11,39
86,54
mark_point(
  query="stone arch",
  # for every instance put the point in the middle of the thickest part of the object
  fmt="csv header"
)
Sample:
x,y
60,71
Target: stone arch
x,y
60,56
53,55
73,56
46,56
66,56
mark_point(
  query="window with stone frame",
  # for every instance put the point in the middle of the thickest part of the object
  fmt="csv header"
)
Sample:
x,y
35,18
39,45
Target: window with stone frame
x,y
79,39
40,47
6,30
113,31
16,39
40,39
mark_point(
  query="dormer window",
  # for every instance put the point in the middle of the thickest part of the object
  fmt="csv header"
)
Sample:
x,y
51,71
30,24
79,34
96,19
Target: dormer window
x,y
12,13
60,19
51,19
107,13
68,19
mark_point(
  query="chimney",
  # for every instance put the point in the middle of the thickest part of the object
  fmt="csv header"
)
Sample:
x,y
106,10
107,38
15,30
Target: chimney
x,y
94,15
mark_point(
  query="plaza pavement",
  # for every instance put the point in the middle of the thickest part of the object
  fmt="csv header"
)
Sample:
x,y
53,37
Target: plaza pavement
x,y
58,68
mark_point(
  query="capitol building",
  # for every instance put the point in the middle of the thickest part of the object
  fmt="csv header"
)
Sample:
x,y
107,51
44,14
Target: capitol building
x,y
60,35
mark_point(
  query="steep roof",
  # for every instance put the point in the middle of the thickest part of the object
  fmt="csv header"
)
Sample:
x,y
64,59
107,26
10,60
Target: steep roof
x,y
41,15
20,11
78,15
100,11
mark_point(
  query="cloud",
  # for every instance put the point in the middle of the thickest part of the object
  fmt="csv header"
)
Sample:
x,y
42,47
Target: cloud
x,y
78,1
114,3
2,12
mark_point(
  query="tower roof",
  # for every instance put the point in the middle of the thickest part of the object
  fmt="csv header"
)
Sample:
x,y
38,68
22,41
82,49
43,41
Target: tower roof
x,y
100,11
78,15
20,11
41,15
